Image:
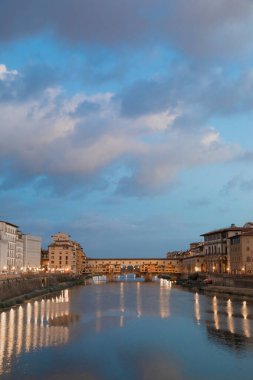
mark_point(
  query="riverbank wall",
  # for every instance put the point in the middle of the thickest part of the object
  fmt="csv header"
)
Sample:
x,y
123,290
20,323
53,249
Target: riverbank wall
x,y
16,290
219,284
234,281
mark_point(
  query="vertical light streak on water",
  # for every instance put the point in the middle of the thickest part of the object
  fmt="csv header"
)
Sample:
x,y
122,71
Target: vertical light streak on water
x,y
53,329
165,287
47,332
122,298
230,316
66,295
197,307
11,332
35,324
98,312
52,310
2,340
20,325
245,321
215,313
58,307
28,327
65,330
122,304
42,312
66,303
138,300
48,310
42,328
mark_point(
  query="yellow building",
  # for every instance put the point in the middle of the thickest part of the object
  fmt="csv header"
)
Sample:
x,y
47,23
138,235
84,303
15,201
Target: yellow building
x,y
241,253
217,247
194,260
65,255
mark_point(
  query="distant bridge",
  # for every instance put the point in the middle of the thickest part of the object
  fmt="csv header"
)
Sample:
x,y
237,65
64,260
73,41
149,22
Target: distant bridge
x,y
146,268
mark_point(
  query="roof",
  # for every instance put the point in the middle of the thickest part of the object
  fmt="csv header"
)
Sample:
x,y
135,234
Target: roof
x,y
247,233
226,229
10,224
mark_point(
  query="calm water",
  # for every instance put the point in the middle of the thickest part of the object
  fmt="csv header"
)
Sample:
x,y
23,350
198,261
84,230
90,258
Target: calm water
x,y
128,331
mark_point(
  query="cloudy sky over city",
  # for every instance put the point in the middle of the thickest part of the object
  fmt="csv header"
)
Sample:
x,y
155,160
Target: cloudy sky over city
x,y
127,124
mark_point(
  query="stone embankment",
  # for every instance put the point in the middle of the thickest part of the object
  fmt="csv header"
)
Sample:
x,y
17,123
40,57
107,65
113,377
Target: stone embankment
x,y
231,285
16,290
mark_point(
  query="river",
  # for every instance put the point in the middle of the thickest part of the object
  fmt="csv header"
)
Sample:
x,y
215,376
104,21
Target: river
x,y
128,331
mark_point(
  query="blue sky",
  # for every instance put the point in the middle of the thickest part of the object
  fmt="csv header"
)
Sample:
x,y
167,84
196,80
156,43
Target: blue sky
x,y
127,124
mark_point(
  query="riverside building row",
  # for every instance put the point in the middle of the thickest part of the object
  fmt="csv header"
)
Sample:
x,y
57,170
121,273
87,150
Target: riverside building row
x,y
225,250
18,252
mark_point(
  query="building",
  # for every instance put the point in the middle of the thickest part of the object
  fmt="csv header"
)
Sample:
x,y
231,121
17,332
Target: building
x,y
44,261
31,252
8,236
65,255
80,258
193,260
241,253
217,247
3,255
19,252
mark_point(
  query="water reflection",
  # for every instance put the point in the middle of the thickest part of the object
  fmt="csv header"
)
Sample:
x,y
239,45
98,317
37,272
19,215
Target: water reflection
x,y
25,328
127,301
197,307
138,299
165,288
246,322
229,322
157,309
215,313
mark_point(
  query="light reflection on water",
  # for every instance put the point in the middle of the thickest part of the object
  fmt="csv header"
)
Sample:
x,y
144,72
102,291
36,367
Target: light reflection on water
x,y
84,313
31,326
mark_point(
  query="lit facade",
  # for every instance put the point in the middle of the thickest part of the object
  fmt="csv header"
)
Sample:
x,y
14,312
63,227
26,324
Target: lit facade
x,y
44,262
3,255
217,247
65,254
19,252
241,253
8,237
31,252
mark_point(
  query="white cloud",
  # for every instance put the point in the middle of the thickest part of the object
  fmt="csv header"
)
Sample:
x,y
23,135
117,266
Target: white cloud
x,y
42,138
211,137
4,72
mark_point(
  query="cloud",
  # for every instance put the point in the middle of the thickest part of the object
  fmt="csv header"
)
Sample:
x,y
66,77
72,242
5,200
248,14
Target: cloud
x,y
237,182
5,73
26,83
194,94
198,28
85,108
65,142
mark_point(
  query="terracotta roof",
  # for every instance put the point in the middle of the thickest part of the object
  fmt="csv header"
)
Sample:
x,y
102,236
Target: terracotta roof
x,y
234,228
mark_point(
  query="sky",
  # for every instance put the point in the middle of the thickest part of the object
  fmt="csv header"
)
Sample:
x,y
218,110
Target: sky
x,y
126,123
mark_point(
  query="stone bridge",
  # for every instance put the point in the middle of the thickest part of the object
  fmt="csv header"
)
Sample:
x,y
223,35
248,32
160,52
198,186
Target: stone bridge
x,y
141,267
